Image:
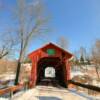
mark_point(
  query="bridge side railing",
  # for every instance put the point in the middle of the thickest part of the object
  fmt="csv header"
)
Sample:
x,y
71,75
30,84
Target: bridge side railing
x,y
91,89
10,90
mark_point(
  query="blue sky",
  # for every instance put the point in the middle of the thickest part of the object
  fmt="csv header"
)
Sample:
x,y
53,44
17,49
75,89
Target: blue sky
x,y
76,20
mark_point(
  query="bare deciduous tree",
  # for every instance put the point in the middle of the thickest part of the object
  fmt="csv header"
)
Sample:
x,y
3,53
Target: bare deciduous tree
x,y
96,56
7,43
62,42
83,52
30,22
81,58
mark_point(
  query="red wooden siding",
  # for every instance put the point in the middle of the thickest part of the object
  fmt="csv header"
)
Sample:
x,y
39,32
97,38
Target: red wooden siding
x,y
41,53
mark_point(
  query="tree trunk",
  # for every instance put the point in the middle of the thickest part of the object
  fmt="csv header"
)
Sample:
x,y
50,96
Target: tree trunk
x,y
17,73
19,64
96,68
97,72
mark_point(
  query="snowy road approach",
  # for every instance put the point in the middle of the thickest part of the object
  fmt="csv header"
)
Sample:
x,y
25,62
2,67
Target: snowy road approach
x,y
47,93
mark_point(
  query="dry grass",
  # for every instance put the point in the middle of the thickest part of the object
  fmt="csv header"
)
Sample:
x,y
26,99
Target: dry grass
x,y
7,66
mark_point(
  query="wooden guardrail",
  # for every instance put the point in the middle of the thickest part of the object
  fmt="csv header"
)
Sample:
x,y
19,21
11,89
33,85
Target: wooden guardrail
x,y
91,87
10,89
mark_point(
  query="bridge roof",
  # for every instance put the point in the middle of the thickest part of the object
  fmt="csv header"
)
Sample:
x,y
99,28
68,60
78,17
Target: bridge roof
x,y
53,45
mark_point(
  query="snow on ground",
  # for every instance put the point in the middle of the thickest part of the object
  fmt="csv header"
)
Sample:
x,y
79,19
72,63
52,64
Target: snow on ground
x,y
7,76
75,73
48,93
51,93
7,80
3,99
84,95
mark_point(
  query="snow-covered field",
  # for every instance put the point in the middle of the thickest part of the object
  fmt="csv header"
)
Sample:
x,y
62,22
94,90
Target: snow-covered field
x,y
7,76
3,99
75,73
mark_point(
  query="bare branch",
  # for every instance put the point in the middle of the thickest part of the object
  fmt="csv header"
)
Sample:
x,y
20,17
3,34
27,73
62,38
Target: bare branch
x,y
96,56
63,42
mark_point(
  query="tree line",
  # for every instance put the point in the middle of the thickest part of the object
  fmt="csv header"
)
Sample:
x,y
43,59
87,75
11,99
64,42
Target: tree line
x,y
82,58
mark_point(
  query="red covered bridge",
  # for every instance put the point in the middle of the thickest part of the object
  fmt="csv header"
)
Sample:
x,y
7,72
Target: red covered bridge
x,y
54,57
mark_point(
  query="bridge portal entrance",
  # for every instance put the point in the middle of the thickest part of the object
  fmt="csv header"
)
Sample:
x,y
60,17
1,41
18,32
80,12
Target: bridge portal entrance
x,y
51,71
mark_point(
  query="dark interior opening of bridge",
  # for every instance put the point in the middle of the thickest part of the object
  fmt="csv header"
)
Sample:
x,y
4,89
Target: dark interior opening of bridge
x,y
60,72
